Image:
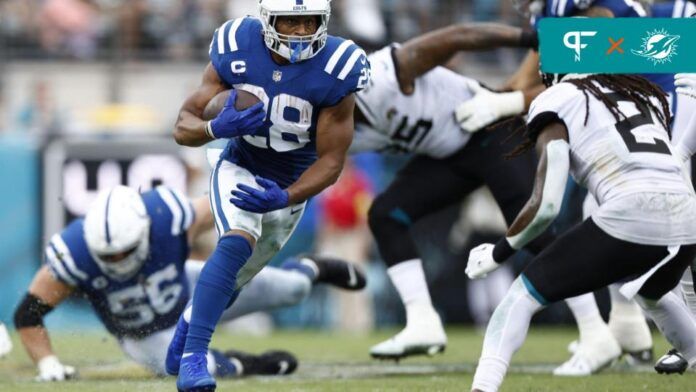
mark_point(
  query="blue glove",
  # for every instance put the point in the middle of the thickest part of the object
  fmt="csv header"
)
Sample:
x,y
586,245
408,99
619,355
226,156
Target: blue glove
x,y
231,123
253,200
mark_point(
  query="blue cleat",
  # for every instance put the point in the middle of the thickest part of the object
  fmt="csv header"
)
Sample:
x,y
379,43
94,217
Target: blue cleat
x,y
193,374
176,347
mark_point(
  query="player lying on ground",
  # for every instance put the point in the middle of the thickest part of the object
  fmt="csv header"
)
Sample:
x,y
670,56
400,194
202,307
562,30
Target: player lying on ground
x,y
644,229
281,151
128,257
408,107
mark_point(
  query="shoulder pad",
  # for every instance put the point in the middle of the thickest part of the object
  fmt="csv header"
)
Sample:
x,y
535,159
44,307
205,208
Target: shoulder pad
x,y
347,63
67,257
549,107
170,211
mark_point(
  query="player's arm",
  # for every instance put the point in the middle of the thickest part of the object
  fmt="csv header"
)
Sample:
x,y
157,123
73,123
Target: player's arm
x,y
542,207
203,220
190,127
334,135
45,293
421,54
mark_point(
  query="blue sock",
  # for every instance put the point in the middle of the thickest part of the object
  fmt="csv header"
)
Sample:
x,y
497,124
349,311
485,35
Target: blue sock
x,y
215,290
293,264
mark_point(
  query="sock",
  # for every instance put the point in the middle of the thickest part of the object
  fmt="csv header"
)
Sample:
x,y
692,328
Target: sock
x,y
627,322
505,334
221,366
673,318
409,279
687,290
304,266
215,290
586,314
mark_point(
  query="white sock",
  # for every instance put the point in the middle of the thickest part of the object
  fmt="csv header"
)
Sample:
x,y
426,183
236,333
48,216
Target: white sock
x,y
409,279
586,313
505,334
674,319
627,322
687,290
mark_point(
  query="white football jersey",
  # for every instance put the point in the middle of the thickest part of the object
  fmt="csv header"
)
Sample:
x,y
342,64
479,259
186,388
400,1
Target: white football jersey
x,y
421,123
627,165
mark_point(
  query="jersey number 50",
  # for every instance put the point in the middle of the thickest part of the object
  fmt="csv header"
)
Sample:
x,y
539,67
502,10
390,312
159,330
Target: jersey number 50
x,y
290,117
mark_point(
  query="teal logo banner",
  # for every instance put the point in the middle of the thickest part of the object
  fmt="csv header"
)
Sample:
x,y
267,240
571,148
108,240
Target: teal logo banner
x,y
617,45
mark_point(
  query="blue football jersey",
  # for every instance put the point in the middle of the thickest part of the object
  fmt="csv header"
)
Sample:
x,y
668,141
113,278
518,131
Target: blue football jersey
x,y
293,95
154,298
673,9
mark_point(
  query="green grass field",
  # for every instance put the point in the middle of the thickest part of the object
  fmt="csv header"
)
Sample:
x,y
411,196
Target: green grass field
x,y
337,362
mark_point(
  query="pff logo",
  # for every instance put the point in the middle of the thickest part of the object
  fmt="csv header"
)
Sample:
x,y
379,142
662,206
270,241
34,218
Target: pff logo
x,y
658,46
573,40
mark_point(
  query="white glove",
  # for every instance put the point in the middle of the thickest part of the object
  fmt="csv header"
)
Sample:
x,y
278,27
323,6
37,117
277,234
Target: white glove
x,y
481,262
486,107
685,84
50,369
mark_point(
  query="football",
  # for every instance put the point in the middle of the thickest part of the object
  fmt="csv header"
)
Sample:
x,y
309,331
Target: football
x,y
244,100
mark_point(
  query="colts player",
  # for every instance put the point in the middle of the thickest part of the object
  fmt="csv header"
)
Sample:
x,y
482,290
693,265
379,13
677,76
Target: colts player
x,y
281,151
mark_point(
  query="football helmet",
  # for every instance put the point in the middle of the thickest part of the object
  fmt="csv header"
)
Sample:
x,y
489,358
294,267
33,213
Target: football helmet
x,y
294,48
117,231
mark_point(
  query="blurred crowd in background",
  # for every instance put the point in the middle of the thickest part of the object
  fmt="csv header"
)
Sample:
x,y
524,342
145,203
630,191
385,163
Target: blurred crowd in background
x,y
105,68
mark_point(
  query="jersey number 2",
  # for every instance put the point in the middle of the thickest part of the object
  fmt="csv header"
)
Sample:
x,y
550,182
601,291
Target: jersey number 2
x,y
290,117
635,142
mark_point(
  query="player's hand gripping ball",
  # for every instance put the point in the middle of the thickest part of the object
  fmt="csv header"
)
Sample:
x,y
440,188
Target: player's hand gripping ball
x,y
481,262
271,198
242,114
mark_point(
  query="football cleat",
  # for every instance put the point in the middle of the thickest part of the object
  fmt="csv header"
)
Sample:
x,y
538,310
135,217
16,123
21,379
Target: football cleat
x,y
672,362
5,341
270,363
335,272
176,347
193,374
423,335
590,356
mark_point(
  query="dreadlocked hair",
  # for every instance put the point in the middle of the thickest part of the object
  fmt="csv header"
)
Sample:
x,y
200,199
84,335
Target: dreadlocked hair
x,y
633,88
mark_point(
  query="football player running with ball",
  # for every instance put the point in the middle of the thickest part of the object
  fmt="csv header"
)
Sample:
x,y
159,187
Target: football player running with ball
x,y
610,133
286,148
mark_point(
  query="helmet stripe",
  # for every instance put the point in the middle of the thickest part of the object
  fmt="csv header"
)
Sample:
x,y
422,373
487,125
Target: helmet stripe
x,y
106,219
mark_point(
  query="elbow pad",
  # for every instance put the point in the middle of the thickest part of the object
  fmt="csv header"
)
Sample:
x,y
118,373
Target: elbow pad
x,y
557,167
30,312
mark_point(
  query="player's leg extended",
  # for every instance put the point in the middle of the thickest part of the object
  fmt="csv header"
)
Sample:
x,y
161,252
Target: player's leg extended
x,y
669,312
218,284
581,260
423,186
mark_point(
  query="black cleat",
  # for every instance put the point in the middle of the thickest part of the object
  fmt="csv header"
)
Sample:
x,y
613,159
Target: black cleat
x,y
270,363
672,362
335,272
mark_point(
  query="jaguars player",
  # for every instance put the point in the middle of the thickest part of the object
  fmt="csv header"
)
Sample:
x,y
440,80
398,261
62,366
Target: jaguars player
x,y
281,151
611,133
128,257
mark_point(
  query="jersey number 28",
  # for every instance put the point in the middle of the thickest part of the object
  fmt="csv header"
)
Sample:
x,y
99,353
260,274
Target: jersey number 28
x,y
290,117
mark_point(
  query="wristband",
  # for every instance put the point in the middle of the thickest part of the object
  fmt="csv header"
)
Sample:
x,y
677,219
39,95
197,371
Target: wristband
x,y
209,130
529,39
502,250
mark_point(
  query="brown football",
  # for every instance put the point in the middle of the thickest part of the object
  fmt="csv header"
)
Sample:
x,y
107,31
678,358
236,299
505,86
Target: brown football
x,y
244,100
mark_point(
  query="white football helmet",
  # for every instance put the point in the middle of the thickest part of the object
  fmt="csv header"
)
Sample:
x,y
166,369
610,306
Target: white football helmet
x,y
295,48
117,231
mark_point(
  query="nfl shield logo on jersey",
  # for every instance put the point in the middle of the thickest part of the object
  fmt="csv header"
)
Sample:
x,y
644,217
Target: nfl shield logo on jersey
x,y
277,75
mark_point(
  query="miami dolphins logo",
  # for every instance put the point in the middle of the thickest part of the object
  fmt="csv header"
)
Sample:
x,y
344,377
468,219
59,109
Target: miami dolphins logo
x,y
659,46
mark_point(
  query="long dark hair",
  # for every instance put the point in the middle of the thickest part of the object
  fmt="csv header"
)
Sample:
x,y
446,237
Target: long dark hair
x,y
633,88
